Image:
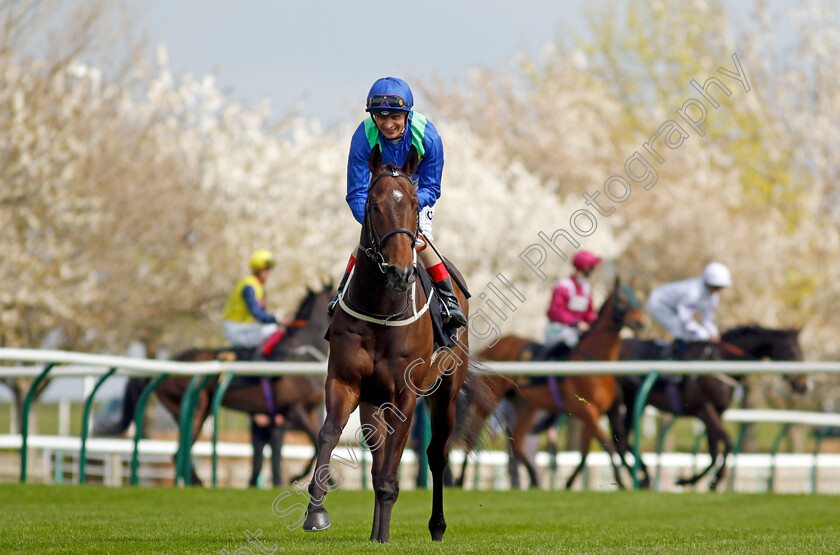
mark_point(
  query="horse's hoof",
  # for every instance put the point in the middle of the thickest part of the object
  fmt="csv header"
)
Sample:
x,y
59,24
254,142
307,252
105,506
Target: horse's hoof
x,y
316,521
437,531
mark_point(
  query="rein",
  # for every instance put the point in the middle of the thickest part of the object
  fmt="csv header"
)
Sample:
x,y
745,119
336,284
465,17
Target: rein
x,y
374,252
737,351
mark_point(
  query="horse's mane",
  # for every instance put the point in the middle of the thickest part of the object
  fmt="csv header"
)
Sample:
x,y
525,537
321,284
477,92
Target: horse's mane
x,y
755,329
606,302
305,307
601,310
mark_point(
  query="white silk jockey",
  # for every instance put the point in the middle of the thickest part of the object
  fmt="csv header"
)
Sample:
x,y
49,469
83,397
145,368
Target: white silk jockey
x,y
674,305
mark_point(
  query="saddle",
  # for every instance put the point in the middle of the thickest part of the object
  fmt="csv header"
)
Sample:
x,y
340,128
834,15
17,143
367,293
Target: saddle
x,y
539,352
655,350
444,336
233,354
244,354
670,384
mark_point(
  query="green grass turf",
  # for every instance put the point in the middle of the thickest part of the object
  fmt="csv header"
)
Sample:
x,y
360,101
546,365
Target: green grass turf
x,y
91,519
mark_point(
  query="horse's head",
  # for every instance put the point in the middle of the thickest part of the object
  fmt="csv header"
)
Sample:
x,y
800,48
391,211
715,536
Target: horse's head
x,y
788,348
624,307
313,306
309,324
391,219
757,343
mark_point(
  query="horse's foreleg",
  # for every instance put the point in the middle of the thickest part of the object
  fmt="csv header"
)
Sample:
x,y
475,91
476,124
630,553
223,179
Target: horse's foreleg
x,y
586,434
620,439
341,400
375,434
386,484
714,432
615,416
717,432
202,410
609,447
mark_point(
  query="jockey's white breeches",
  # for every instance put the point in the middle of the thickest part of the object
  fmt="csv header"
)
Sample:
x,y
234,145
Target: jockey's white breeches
x,y
248,334
555,333
667,318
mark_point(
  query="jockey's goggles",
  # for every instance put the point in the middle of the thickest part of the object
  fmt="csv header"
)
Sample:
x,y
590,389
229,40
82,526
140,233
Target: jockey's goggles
x,y
385,101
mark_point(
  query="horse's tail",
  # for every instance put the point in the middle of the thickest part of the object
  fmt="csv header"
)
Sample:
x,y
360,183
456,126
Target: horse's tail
x,y
475,394
133,389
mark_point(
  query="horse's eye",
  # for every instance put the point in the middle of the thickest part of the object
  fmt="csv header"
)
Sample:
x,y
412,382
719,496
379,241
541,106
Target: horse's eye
x,y
375,208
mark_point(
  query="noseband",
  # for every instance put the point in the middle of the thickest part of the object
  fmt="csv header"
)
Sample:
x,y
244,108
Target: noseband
x,y
375,251
619,312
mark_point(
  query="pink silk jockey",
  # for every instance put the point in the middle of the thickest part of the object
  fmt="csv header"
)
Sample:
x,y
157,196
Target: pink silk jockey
x,y
571,302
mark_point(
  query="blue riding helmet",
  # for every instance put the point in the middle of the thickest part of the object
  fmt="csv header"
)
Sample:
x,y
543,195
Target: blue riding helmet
x,y
388,95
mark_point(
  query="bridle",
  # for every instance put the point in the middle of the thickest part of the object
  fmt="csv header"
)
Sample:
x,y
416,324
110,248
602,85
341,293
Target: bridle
x,y
617,317
374,252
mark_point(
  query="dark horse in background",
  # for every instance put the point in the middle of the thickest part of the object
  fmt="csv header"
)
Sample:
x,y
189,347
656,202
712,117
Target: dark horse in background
x,y
586,397
707,396
297,398
382,355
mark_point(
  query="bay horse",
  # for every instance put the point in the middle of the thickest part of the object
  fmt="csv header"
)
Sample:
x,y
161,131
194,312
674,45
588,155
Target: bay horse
x,y
586,397
708,396
382,355
297,398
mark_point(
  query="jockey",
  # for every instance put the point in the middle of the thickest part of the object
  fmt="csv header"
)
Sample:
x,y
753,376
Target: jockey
x,y
395,127
246,323
571,312
673,305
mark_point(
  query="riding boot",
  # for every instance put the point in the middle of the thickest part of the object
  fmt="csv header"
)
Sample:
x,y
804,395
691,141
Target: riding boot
x,y
334,301
454,315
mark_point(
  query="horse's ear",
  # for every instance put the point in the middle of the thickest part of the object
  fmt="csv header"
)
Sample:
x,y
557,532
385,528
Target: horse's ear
x,y
375,159
411,161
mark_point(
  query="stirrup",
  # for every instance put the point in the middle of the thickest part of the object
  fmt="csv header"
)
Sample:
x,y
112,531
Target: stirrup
x,y
453,315
341,285
332,304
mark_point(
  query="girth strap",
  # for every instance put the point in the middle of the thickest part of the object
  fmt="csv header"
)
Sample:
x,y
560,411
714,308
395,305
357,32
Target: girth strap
x,y
555,393
265,383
